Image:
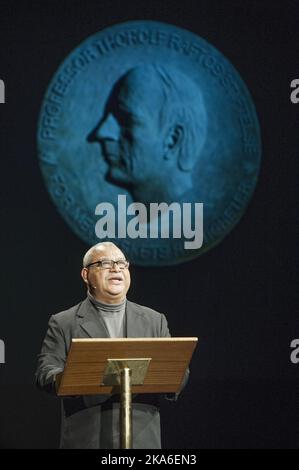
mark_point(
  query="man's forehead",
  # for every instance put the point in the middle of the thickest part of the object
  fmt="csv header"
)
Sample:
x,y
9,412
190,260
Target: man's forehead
x,y
137,89
108,252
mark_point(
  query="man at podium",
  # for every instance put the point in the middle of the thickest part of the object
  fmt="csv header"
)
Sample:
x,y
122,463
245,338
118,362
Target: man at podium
x,y
93,421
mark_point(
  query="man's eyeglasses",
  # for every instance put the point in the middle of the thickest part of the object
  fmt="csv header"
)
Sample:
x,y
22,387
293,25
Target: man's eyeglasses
x,y
109,263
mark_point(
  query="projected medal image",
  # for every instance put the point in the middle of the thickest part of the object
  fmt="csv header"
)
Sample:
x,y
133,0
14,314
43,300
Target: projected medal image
x,y
148,137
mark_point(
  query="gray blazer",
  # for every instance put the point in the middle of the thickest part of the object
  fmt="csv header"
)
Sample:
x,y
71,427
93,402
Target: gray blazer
x,y
92,422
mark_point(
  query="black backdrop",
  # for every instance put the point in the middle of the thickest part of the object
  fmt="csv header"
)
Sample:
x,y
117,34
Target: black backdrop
x,y
239,299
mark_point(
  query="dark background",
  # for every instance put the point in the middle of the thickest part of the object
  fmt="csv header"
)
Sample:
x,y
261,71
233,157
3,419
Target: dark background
x,y
239,299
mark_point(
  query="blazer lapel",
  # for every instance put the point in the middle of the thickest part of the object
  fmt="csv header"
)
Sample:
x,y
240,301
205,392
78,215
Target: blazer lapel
x,y
92,322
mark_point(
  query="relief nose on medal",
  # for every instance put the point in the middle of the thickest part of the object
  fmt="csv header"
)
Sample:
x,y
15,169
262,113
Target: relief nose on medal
x,y
108,129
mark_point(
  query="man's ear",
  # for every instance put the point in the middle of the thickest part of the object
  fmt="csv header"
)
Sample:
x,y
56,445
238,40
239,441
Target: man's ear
x,y
84,272
179,145
173,141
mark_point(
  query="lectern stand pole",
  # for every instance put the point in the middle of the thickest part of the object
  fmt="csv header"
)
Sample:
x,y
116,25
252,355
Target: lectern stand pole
x,y
125,409
124,373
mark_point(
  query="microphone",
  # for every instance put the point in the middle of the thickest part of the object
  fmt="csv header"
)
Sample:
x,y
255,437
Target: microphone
x,y
91,287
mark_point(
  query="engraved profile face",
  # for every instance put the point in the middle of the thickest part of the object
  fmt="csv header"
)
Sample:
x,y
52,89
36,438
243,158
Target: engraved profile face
x,y
151,133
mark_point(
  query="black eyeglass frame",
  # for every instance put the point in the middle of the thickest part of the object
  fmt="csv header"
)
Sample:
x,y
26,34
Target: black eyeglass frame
x,y
101,261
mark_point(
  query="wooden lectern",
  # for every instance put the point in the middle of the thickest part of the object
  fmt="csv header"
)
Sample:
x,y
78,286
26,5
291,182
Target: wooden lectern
x,y
125,366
